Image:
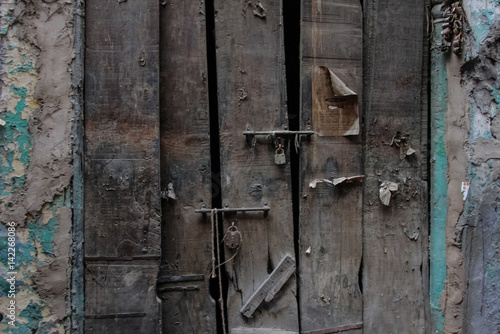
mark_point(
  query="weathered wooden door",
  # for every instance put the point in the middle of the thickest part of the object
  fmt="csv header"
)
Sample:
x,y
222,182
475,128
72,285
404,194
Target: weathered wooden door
x,y
248,133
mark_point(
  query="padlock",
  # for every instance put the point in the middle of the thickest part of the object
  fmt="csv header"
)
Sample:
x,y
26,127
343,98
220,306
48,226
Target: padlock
x,y
233,237
279,156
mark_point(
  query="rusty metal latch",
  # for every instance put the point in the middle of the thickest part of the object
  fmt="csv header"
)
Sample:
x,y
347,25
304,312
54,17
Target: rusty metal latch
x,y
278,133
264,209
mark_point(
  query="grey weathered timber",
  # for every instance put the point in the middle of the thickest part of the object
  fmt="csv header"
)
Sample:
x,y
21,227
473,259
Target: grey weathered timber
x,y
260,331
113,306
251,96
268,289
395,236
122,205
330,240
185,173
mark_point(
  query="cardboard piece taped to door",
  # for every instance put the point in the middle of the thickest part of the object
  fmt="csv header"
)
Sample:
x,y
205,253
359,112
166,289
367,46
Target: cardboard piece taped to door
x,y
334,105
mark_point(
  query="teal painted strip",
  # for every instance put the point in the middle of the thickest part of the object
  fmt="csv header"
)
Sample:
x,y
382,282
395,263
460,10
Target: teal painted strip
x,y
439,182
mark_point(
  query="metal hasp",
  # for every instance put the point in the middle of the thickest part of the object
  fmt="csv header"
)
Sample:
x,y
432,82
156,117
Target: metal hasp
x,y
279,133
264,209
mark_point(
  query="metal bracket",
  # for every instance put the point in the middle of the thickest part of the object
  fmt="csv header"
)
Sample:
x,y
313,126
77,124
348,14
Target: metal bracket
x,y
264,208
279,133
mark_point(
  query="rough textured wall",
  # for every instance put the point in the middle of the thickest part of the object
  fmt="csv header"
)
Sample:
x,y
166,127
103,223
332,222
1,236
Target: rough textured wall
x,y
481,218
467,140
36,52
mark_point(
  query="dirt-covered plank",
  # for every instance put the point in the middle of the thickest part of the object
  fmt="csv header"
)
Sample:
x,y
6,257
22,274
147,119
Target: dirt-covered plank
x,y
395,236
112,305
251,96
185,172
122,205
330,230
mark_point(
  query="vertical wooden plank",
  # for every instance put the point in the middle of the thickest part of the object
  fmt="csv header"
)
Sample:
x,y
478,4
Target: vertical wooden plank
x,y
122,205
185,156
251,95
395,235
330,246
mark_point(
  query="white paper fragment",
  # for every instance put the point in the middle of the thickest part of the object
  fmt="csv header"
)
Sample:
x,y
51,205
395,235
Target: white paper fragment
x,y
170,191
386,189
403,142
337,180
308,251
2,122
315,182
465,189
410,151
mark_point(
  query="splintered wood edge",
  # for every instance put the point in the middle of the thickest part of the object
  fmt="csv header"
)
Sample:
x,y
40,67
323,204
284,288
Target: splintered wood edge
x,y
271,285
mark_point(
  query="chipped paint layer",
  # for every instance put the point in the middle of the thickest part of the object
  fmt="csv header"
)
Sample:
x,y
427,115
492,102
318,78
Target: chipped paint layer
x,y
438,171
470,298
481,221
35,160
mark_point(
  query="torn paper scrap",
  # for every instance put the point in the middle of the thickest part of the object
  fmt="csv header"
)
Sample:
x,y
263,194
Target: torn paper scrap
x,y
336,181
334,105
465,189
386,190
403,142
170,191
315,182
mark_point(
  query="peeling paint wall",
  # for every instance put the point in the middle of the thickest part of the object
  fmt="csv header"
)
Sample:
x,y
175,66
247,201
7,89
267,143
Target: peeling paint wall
x,y
36,54
467,141
481,218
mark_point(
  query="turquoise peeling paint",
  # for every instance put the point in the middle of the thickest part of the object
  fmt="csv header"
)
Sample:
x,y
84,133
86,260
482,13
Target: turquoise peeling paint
x,y
15,131
44,233
481,24
33,313
26,67
496,96
439,181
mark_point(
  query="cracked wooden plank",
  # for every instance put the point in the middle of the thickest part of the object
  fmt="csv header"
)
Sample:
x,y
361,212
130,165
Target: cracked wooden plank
x,y
395,254
185,169
121,170
252,97
330,230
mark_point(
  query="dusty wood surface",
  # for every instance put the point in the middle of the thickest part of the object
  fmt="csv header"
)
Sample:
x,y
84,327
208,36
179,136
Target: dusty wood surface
x,y
260,331
395,236
270,286
185,161
251,87
339,329
122,205
111,307
330,216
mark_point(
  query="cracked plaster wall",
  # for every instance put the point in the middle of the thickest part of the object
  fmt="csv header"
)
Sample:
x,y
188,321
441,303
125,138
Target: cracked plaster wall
x,y
467,141
480,220
36,54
